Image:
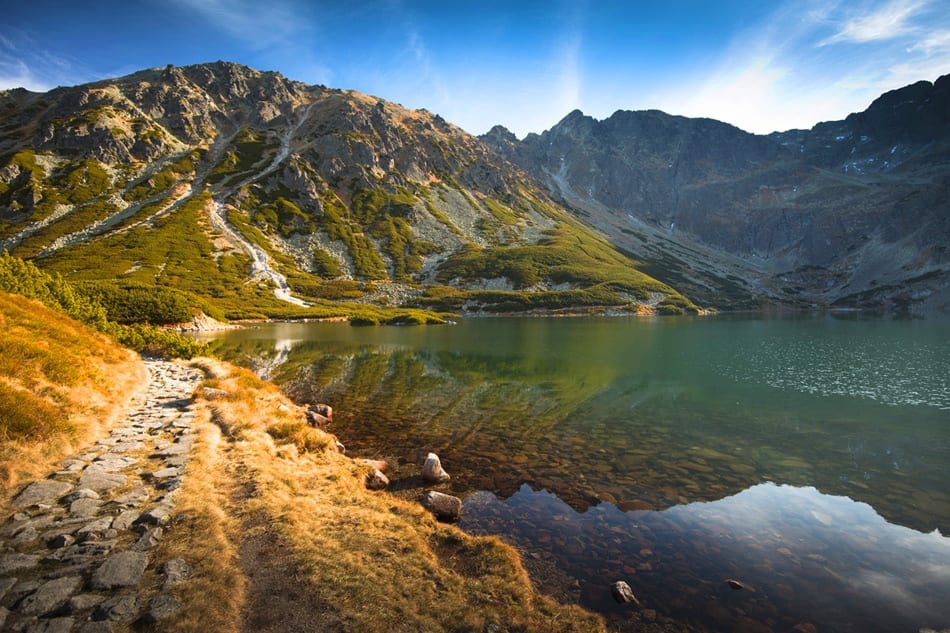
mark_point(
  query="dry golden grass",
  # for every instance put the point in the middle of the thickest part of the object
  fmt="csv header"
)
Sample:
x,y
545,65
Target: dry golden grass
x,y
380,563
212,596
62,386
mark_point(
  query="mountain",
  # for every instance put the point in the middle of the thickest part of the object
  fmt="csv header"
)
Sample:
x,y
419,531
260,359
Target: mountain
x,y
261,196
850,213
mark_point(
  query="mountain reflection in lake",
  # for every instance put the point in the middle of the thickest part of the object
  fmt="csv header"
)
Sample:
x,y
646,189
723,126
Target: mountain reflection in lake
x,y
802,556
623,425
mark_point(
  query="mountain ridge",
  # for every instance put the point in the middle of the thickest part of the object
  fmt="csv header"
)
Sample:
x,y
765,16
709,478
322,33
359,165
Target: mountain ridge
x,y
187,176
808,218
255,193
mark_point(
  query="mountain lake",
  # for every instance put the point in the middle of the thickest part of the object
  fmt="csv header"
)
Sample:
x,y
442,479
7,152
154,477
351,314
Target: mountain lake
x,y
806,459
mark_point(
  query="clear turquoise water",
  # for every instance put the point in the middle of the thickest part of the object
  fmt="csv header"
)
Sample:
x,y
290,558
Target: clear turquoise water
x,y
808,458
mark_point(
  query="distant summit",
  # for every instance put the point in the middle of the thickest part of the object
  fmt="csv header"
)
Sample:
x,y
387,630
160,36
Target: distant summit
x,y
852,213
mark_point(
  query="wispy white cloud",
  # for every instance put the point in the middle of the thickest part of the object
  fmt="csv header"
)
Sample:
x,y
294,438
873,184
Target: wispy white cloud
x,y
933,43
24,63
886,22
568,73
788,72
258,26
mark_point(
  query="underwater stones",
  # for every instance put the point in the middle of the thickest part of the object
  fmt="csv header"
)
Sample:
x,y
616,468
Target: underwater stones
x,y
432,470
623,594
444,507
376,480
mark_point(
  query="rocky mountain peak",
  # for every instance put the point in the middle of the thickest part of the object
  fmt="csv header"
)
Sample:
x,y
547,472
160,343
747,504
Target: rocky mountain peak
x,y
802,215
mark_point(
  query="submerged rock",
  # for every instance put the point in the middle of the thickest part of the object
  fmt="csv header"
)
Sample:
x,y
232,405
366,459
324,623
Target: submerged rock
x,y
623,594
432,470
444,507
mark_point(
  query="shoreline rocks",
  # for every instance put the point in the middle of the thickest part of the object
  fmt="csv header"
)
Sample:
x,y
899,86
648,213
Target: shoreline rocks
x,y
444,507
432,471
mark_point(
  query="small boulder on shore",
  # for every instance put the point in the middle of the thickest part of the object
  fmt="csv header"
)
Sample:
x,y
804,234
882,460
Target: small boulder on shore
x,y
432,470
379,464
444,507
376,480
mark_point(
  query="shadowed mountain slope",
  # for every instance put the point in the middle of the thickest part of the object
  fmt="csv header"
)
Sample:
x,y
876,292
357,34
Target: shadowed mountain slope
x,y
849,213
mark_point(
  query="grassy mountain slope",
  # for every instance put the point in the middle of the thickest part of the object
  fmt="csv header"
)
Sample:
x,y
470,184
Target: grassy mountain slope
x,y
257,195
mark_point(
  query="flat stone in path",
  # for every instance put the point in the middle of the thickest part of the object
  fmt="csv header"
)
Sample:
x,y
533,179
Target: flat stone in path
x,y
163,606
46,491
15,562
96,478
56,625
6,584
50,596
159,515
120,570
166,473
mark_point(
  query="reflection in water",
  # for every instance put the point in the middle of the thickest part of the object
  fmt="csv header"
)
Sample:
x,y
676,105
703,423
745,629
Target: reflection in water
x,y
627,426
804,557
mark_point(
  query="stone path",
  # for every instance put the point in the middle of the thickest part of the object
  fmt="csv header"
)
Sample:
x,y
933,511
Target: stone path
x,y
77,555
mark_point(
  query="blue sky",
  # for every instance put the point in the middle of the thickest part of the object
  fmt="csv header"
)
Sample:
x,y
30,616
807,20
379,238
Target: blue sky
x,y
760,65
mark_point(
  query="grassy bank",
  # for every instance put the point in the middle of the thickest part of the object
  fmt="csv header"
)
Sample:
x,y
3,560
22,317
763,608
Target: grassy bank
x,y
275,522
264,481
62,385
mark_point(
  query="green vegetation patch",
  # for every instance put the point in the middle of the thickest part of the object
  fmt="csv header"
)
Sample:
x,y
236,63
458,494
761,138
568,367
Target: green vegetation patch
x,y
567,254
384,214
23,278
338,224
138,303
248,151
284,217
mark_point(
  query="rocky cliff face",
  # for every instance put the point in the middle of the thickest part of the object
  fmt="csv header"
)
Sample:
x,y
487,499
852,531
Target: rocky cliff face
x,y
855,212
206,176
